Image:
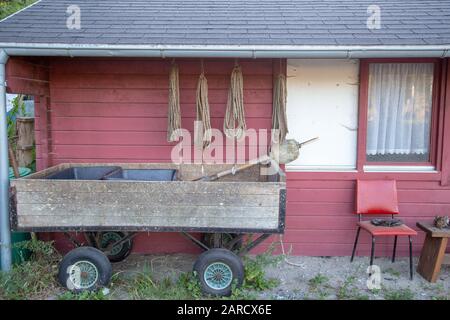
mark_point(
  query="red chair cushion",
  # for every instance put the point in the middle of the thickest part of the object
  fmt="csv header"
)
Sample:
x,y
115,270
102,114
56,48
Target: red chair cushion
x,y
376,197
402,230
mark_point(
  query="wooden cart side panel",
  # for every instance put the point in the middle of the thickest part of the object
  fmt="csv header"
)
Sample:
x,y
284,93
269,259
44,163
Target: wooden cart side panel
x,y
64,187
66,203
151,221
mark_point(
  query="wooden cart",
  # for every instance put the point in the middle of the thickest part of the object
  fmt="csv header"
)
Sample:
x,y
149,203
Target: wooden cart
x,y
111,210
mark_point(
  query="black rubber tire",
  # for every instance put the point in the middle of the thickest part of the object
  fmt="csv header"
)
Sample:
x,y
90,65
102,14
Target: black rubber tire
x,y
92,255
219,255
208,240
124,252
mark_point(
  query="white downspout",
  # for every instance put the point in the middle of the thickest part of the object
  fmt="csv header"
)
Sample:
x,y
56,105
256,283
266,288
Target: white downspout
x,y
5,230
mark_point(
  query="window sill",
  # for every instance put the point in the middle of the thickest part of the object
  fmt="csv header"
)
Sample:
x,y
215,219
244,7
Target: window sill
x,y
390,168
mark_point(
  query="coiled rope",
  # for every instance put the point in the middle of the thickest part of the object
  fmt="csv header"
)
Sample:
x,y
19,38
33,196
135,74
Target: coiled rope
x,y
234,124
203,110
279,118
174,113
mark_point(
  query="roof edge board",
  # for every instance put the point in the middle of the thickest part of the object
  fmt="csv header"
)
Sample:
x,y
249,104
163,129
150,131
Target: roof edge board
x,y
164,51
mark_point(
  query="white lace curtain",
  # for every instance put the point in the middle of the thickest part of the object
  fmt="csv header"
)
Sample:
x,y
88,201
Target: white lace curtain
x,y
399,115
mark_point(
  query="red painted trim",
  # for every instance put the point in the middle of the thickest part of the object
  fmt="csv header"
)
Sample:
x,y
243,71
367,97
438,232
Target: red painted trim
x,y
350,176
363,111
441,114
362,114
446,127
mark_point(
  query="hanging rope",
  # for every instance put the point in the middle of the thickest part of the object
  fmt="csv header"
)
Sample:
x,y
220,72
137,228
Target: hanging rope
x,y
234,124
174,114
203,109
279,119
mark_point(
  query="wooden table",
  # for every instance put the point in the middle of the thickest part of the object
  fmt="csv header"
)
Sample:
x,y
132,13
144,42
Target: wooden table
x,y
433,254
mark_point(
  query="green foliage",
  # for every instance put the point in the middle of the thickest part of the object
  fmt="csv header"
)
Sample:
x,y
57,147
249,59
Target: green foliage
x,y
393,272
190,282
348,291
17,109
9,7
32,279
319,285
85,295
144,286
255,274
317,281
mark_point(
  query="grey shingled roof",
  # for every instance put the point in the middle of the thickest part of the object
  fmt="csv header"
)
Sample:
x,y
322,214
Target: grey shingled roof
x,y
232,22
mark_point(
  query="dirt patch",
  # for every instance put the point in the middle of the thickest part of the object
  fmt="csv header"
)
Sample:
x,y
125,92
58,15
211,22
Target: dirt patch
x,y
312,277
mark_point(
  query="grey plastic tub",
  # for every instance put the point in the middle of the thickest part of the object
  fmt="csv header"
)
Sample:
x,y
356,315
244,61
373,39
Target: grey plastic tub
x,y
83,173
143,175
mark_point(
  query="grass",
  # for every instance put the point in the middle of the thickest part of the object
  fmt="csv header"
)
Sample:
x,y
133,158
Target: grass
x,y
400,294
348,290
33,279
85,295
393,272
143,285
317,281
36,279
319,285
9,7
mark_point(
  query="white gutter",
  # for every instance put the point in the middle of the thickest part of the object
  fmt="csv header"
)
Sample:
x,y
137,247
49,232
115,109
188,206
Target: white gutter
x,y
225,51
5,231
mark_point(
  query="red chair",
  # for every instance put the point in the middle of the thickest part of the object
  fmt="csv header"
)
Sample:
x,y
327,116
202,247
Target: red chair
x,y
379,197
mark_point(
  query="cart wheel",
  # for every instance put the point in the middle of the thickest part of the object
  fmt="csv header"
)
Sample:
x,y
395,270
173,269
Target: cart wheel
x,y
118,252
217,270
84,268
208,239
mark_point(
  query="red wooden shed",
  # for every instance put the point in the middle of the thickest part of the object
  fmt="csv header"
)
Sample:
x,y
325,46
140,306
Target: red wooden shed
x,y
101,94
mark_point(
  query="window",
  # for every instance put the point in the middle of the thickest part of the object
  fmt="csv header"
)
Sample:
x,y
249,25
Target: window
x,y
399,112
322,102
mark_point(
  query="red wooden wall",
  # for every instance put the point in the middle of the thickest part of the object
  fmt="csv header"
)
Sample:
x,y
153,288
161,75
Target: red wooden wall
x,y
100,110
116,110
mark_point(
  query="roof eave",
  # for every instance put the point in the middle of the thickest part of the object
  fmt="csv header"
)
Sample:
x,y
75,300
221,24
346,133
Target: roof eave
x,y
225,51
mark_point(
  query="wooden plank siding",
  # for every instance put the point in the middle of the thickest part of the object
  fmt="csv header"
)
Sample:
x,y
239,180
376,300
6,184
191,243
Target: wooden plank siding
x,y
114,110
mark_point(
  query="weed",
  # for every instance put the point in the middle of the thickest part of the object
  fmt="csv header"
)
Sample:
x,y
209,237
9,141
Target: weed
x,y
144,286
345,292
317,281
255,274
393,272
85,295
319,286
34,278
441,298
401,294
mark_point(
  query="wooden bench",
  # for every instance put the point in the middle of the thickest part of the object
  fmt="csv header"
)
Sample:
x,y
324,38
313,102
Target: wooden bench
x,y
433,254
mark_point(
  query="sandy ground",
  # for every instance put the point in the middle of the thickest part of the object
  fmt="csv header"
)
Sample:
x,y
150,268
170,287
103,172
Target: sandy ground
x,y
316,277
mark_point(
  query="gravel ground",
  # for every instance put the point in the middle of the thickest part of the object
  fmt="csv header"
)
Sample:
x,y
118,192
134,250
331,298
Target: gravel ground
x,y
316,277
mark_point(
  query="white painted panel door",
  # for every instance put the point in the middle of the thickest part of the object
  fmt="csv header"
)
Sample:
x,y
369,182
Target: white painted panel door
x,y
322,101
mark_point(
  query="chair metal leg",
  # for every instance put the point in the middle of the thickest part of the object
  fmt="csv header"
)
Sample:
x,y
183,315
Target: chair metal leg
x,y
395,249
411,271
372,254
354,246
